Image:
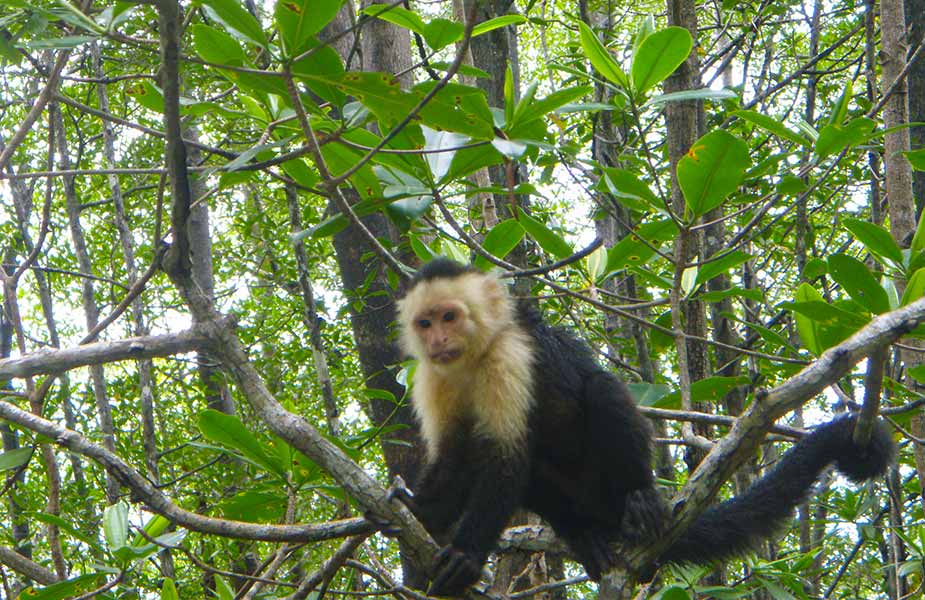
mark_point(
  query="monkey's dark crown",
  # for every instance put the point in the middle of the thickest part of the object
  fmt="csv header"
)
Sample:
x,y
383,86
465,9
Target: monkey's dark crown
x,y
441,267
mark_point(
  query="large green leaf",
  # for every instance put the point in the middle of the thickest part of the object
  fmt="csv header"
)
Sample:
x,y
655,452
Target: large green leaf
x,y
236,19
13,459
806,327
876,239
496,23
658,56
772,125
502,238
300,20
821,324
169,590
627,187
229,431
548,240
439,33
711,170
62,590
631,251
856,279
711,389
115,525
535,109
322,61
396,15
712,268
600,57
835,138
915,288
217,47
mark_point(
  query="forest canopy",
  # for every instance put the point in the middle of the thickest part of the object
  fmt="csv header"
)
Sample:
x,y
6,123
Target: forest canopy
x,y
209,208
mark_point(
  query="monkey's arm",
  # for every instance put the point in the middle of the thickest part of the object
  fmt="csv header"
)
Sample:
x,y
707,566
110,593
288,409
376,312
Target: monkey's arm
x,y
440,494
498,485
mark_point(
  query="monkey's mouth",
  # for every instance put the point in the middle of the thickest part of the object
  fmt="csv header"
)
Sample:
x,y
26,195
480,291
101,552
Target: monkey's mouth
x,y
445,357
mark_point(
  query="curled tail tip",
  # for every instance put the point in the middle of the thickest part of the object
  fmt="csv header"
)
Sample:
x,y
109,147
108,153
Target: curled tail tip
x,y
862,463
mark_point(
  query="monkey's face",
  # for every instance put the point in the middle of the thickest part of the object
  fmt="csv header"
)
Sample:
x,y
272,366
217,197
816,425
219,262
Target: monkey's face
x,y
442,331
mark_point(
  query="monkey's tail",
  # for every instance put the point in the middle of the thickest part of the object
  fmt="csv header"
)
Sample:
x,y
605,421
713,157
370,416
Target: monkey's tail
x,y
741,523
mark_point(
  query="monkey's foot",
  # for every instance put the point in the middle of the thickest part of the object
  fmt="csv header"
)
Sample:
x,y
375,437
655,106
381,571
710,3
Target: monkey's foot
x,y
454,571
594,551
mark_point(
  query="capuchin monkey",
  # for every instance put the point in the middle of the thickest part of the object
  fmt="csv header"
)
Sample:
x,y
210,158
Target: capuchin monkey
x,y
516,413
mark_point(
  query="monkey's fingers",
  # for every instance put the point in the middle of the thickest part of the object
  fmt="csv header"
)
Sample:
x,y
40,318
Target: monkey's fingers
x,y
455,571
385,527
404,495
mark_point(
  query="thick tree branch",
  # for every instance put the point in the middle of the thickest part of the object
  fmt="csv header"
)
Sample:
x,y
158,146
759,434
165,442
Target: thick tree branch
x,y
24,566
157,502
56,361
749,430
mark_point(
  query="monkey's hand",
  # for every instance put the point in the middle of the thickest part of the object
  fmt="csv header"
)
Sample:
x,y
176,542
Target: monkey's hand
x,y
454,571
396,491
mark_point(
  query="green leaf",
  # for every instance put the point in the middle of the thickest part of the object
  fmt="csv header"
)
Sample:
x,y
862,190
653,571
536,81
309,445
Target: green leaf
x,y
300,20
806,327
456,107
688,95
115,525
791,185
711,389
915,288
918,240
597,263
600,57
155,527
70,588
631,251
772,125
66,42
224,591
648,394
497,23
712,268
300,172
438,145
876,239
509,148
229,431
396,15
712,170
528,111
625,185
236,19
548,240
815,267
733,292
856,279
442,32
502,238
13,459
254,506
323,61
658,56
674,593
916,158
835,138
169,590
216,46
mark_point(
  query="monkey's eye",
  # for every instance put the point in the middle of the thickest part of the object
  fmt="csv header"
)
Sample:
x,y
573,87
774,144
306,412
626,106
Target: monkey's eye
x,y
449,316
424,323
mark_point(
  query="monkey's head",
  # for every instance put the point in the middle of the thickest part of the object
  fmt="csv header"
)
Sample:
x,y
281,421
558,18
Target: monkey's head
x,y
451,313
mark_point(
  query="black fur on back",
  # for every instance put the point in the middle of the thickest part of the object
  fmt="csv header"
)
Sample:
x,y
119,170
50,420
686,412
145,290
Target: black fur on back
x,y
742,523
